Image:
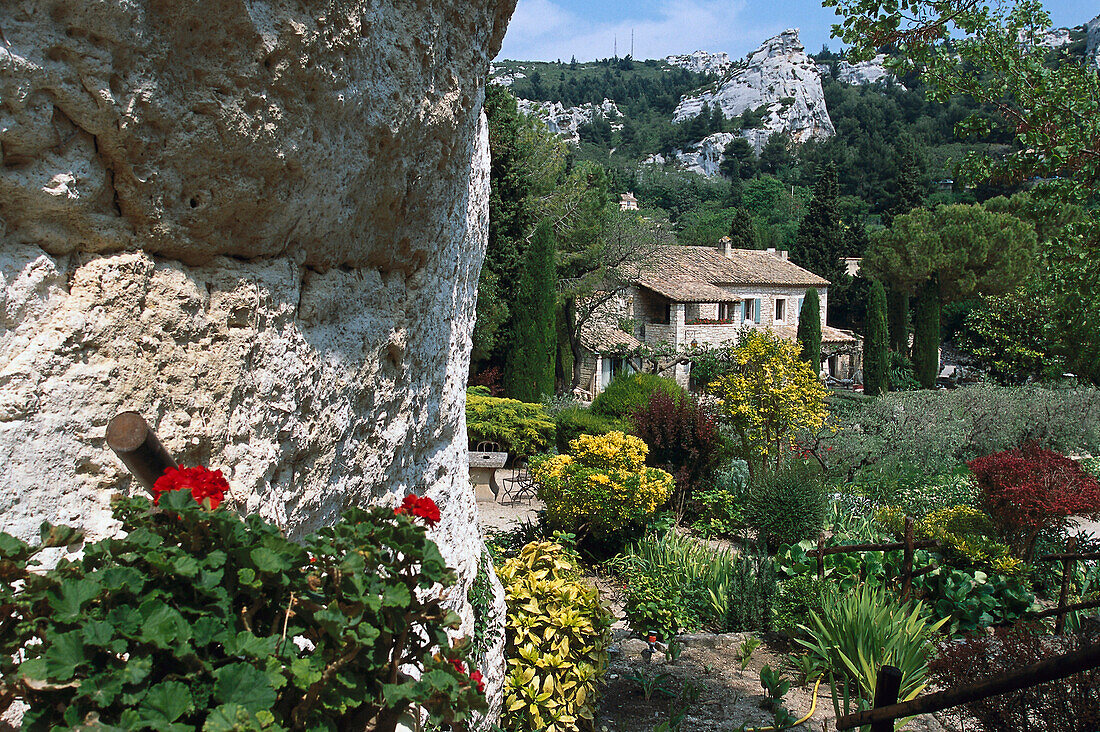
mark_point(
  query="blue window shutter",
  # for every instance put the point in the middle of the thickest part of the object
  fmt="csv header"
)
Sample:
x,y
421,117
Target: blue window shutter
x,y
756,311
744,310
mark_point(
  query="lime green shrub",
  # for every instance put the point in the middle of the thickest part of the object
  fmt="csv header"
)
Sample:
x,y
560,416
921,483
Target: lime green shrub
x,y
603,490
628,393
519,427
198,619
860,631
557,639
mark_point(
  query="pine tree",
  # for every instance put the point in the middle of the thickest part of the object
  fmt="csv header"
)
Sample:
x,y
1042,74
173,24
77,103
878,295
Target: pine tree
x,y
742,230
821,239
897,317
529,371
926,334
809,329
875,365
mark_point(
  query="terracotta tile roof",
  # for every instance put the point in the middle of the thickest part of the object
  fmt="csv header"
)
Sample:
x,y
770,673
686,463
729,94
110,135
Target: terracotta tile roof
x,y
829,334
599,340
693,274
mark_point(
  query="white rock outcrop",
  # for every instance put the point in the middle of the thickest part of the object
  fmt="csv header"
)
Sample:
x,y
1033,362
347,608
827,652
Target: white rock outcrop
x,y
702,62
564,121
865,73
258,224
705,156
778,76
1092,43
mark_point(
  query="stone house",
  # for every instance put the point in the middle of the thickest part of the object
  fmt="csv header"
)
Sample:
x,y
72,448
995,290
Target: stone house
x,y
704,296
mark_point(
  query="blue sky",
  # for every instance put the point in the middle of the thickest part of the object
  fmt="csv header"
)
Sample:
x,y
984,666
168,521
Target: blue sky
x,y
547,30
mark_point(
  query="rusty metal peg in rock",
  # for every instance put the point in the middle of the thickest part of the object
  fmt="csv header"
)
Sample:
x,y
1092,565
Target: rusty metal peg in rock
x,y
137,446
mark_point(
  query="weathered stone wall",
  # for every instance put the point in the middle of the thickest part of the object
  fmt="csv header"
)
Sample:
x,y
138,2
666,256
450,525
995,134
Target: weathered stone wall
x,y
259,223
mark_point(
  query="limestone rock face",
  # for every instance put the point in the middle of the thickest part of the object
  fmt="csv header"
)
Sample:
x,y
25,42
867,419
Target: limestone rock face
x,y
778,76
564,121
705,156
1092,44
863,73
260,224
702,62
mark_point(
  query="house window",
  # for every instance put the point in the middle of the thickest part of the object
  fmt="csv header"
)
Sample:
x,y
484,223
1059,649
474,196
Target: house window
x,y
666,314
725,311
780,309
610,368
750,312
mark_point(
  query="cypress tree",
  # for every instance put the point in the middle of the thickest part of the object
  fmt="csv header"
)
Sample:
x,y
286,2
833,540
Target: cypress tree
x,y
809,329
821,239
742,230
897,317
875,365
926,333
529,371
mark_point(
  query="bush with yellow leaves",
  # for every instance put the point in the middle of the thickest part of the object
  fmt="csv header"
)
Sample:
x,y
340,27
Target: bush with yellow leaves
x,y
557,638
603,489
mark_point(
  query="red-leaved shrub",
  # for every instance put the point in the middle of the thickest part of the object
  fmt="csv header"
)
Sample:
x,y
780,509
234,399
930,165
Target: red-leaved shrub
x,y
683,439
1030,489
1071,704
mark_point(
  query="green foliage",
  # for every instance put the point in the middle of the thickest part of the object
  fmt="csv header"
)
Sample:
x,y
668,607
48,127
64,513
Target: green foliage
x,y
530,367
776,685
189,619
821,240
721,505
968,249
742,232
576,421
934,432
809,329
897,316
798,597
789,504
972,599
557,638
860,631
602,491
628,393
901,373
519,427
1013,336
875,365
674,583
926,334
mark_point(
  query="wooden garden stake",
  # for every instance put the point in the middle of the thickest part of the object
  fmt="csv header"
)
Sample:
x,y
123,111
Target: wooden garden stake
x,y
887,687
136,445
821,556
1063,594
907,562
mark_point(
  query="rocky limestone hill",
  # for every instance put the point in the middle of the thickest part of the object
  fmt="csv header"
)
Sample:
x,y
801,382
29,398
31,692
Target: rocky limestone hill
x,y
565,121
778,76
861,73
1092,46
702,62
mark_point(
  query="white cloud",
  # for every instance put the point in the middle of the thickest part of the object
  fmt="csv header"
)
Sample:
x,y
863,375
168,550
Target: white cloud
x,y
542,30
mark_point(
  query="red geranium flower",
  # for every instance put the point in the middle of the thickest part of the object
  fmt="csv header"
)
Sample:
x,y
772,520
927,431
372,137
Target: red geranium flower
x,y
421,507
205,485
477,678
459,666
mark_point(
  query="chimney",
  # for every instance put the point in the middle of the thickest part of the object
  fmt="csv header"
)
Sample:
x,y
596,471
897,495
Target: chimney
x,y
725,245
784,254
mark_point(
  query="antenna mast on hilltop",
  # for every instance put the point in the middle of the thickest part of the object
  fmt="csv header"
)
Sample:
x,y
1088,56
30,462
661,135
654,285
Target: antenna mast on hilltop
x,y
631,43
616,52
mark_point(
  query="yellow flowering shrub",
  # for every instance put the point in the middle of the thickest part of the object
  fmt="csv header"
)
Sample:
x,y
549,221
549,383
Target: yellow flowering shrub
x,y
557,638
770,396
603,489
967,531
